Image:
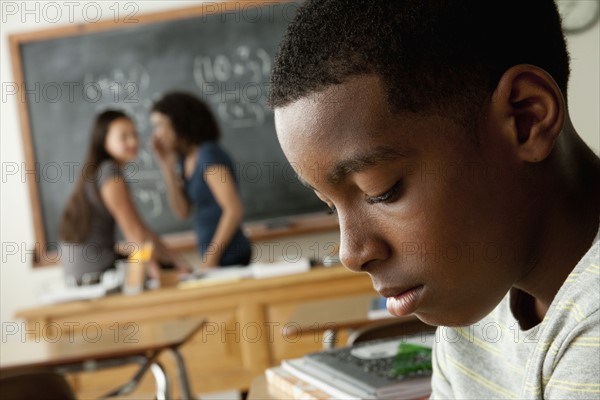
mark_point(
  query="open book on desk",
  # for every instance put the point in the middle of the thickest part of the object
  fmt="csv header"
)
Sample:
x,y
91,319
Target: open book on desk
x,y
398,368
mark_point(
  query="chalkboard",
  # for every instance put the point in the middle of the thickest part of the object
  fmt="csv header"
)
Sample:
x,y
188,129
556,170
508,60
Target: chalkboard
x,y
223,58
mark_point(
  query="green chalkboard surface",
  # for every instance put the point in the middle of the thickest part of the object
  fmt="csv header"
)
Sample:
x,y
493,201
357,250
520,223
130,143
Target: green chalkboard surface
x,y
225,58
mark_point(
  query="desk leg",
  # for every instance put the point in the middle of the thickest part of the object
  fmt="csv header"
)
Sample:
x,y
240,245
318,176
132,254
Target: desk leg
x,y
162,382
145,364
184,384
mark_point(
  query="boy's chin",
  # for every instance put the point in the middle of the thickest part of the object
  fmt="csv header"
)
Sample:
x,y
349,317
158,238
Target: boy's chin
x,y
448,319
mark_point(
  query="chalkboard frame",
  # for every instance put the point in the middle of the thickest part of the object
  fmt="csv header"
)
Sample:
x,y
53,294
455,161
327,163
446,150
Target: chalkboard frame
x,y
181,241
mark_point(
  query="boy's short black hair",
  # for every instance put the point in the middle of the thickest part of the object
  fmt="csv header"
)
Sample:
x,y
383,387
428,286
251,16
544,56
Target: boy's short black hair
x,y
192,120
444,55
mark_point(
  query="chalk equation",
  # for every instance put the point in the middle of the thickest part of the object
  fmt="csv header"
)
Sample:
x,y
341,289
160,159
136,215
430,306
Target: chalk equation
x,y
236,84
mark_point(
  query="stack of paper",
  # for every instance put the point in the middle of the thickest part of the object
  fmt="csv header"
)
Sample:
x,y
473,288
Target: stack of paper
x,y
291,386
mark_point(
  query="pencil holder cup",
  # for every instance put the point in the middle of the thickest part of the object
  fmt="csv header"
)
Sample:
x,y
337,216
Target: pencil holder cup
x,y
135,273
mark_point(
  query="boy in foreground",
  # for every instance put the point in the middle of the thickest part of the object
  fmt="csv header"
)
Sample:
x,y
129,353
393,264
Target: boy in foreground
x,y
439,133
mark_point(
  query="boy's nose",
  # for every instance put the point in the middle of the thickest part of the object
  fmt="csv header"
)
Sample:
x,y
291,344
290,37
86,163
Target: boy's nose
x,y
361,247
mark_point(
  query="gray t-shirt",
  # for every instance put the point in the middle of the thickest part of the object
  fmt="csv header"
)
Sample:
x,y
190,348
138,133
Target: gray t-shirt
x,y
97,253
556,359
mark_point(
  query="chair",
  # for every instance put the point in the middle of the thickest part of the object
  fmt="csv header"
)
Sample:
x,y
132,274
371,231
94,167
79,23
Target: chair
x,y
388,329
35,386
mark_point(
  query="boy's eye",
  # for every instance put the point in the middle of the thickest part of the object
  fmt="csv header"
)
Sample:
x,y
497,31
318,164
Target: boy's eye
x,y
387,197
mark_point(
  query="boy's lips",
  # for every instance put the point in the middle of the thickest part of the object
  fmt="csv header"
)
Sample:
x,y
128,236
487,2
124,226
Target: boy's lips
x,y
401,302
394,291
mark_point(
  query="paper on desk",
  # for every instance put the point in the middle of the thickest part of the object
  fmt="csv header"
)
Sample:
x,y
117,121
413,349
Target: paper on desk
x,y
231,274
111,280
73,294
280,268
215,276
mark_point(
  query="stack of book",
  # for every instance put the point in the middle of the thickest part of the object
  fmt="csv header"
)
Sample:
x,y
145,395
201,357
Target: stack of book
x,y
398,368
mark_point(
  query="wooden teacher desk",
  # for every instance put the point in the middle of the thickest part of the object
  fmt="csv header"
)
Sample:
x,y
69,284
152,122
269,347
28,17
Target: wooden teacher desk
x,y
245,330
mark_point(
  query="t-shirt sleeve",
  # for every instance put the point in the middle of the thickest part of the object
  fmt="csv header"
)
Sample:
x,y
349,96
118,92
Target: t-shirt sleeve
x,y
440,386
576,374
107,170
212,155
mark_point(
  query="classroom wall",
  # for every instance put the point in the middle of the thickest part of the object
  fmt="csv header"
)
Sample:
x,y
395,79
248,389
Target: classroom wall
x,y
20,282
584,85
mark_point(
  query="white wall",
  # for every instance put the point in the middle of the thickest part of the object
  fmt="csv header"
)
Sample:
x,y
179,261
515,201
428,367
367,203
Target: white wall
x,y
20,283
584,85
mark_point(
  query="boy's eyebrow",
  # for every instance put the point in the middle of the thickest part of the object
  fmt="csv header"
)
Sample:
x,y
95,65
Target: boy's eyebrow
x,y
362,161
358,163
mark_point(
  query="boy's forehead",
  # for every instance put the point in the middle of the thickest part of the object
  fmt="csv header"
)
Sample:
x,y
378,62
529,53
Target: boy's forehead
x,y
350,126
345,112
341,130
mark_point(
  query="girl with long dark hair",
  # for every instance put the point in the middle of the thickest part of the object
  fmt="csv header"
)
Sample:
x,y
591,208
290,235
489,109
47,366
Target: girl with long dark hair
x,y
101,200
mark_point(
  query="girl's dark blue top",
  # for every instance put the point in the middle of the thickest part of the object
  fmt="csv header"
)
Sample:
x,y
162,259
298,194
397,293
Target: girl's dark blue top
x,y
207,210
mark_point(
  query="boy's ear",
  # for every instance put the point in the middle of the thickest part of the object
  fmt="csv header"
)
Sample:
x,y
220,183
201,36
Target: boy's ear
x,y
530,109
